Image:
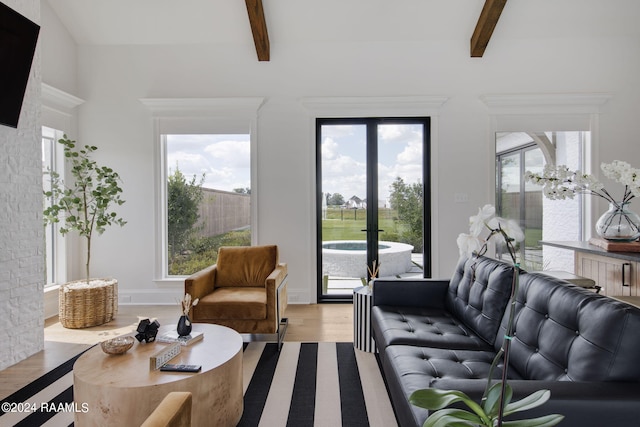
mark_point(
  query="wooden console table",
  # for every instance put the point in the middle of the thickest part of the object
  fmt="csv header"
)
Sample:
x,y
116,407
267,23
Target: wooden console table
x,y
615,272
121,390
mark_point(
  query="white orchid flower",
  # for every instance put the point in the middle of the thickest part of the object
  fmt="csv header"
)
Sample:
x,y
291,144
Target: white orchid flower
x,y
468,243
478,222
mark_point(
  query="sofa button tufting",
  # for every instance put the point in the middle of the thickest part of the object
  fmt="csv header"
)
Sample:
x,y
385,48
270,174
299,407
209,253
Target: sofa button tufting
x,y
546,316
577,332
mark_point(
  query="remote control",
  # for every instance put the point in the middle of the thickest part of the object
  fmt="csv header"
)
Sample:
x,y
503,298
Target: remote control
x,y
180,368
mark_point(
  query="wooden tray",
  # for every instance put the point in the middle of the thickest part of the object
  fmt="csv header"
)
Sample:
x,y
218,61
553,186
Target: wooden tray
x,y
615,246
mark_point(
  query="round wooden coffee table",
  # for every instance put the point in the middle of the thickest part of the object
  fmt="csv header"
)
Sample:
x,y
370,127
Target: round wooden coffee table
x,y
122,390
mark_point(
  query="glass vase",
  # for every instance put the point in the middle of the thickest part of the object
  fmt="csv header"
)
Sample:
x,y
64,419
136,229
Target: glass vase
x,y
618,223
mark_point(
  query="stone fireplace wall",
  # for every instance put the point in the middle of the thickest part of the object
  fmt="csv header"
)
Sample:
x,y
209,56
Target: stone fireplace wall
x,y
21,230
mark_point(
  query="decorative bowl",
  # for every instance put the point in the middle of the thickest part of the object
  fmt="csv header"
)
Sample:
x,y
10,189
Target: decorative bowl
x,y
118,345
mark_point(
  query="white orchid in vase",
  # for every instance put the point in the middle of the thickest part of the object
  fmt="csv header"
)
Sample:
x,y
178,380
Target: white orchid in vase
x,y
619,223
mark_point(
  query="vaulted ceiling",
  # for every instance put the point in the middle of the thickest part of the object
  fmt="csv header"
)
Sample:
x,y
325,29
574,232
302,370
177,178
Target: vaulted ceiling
x,y
277,23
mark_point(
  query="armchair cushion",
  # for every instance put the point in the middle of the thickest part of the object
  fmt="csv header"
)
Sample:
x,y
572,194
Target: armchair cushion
x,y
234,303
245,265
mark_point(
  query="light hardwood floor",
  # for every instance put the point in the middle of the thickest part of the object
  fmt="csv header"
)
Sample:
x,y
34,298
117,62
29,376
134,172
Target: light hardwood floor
x,y
307,323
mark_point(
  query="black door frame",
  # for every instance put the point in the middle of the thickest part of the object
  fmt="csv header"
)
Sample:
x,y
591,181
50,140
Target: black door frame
x,y
373,228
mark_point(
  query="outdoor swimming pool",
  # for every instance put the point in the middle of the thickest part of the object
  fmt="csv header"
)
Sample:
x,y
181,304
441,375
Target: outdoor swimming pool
x,y
348,258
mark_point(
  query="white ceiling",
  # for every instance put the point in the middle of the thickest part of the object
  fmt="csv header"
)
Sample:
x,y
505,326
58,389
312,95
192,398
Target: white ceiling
x,y
117,22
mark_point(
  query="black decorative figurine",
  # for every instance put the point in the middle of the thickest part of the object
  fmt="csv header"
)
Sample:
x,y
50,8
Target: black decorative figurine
x,y
147,330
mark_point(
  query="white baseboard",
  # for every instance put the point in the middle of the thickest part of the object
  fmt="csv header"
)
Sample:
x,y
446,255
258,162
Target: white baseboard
x,y
51,301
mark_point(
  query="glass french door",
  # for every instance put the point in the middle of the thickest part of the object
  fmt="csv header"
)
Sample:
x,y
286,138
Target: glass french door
x,y
373,202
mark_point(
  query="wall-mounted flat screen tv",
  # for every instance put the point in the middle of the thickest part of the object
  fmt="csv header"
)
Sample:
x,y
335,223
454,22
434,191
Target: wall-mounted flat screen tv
x,y
18,38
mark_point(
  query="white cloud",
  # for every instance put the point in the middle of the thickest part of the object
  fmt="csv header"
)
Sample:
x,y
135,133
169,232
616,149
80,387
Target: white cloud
x,y
412,153
224,159
231,153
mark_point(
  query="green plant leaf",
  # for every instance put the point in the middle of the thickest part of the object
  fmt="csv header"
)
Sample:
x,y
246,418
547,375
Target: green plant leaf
x,y
453,418
534,400
436,399
492,403
546,421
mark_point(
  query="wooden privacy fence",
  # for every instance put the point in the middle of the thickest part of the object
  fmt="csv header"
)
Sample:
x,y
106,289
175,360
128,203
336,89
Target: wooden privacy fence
x,y
223,211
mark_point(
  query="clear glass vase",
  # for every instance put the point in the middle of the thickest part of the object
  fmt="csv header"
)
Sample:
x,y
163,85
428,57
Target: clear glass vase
x,y
619,223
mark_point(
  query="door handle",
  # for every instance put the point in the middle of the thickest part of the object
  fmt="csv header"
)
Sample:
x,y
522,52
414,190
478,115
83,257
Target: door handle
x,y
625,277
379,231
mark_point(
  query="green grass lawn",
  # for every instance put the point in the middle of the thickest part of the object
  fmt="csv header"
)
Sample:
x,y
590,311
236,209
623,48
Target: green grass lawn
x,y
347,224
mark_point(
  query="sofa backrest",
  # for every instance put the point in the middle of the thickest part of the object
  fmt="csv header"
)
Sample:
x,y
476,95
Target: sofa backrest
x,y
564,332
478,294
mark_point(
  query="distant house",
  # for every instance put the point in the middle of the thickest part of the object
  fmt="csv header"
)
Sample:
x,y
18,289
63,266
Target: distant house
x,y
355,202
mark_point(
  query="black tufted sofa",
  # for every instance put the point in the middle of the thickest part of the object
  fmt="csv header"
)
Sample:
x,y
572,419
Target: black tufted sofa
x,y
444,334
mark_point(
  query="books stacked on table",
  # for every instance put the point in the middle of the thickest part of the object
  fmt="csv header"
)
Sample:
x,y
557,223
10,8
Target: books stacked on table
x,y
172,336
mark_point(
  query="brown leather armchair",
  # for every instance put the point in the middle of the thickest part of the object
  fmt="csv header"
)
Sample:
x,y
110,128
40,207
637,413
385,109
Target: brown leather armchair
x,y
245,290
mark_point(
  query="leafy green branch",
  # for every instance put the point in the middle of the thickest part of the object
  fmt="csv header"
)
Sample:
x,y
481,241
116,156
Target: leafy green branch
x,y
85,204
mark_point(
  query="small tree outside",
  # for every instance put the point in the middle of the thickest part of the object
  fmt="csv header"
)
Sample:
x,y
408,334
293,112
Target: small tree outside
x,y
335,199
85,205
407,200
183,201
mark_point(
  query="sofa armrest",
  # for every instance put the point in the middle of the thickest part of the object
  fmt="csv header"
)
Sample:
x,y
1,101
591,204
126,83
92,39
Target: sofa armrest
x,y
276,289
201,283
277,276
410,292
173,411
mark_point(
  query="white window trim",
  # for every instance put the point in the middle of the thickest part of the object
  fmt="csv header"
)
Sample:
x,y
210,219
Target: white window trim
x,y
548,112
59,110
197,115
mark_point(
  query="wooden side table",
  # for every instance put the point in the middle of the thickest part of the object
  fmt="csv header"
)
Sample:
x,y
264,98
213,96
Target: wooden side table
x,y
122,390
362,334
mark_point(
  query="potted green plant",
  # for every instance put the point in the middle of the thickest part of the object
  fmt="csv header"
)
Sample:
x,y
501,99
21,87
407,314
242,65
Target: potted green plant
x,y
84,204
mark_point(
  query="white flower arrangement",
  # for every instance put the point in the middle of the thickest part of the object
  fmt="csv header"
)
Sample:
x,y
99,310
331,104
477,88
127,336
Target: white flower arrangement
x,y
506,231
560,183
187,303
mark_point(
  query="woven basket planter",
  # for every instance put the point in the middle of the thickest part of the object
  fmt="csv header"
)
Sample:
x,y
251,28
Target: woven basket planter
x,y
81,305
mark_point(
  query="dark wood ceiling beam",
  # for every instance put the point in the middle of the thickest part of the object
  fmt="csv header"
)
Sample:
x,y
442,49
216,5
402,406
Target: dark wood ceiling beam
x,y
486,24
258,28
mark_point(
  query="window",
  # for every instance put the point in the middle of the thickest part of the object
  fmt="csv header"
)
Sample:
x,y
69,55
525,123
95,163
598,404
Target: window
x,y
53,244
207,198
540,218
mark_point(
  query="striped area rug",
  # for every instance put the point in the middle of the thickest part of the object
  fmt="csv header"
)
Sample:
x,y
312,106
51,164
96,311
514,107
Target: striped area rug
x,y
304,384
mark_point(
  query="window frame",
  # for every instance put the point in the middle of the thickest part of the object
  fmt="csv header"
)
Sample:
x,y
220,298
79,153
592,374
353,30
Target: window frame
x,y
548,112
58,243
196,116
164,140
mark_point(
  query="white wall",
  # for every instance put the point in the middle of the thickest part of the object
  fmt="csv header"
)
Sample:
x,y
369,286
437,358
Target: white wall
x,y
112,79
58,52
21,232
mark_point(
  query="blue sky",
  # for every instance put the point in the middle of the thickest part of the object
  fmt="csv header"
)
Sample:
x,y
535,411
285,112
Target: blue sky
x,y
344,158
224,159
